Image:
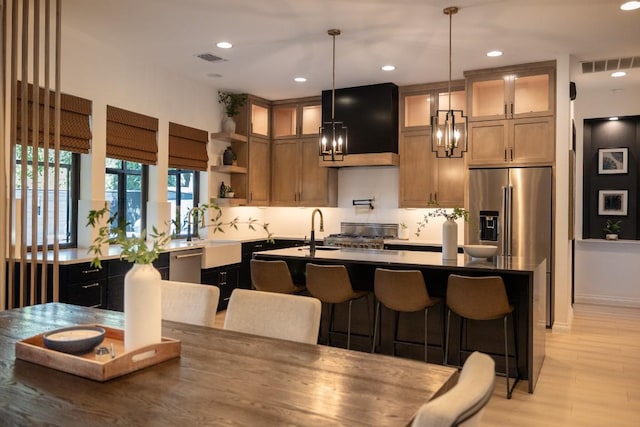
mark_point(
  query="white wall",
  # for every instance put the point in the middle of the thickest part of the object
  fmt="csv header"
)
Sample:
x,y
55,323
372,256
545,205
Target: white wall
x,y
606,272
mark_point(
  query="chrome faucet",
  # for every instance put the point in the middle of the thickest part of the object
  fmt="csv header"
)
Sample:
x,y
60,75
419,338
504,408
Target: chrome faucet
x,y
312,242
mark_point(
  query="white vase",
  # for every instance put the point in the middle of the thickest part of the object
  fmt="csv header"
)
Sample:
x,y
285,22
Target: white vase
x,y
228,125
449,240
142,307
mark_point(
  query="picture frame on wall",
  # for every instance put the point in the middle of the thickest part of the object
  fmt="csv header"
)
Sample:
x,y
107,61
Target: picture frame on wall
x,y
612,202
613,161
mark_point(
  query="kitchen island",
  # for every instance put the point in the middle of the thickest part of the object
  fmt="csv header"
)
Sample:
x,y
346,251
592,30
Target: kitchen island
x,y
524,279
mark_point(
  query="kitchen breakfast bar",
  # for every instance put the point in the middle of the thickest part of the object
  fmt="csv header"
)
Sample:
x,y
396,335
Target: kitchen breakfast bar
x,y
525,281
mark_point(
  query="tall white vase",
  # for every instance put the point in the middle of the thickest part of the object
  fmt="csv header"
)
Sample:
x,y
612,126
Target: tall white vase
x,y
449,240
142,307
228,125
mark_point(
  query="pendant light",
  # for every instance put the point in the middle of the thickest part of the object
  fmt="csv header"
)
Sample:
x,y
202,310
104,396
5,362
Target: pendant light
x,y
449,127
333,135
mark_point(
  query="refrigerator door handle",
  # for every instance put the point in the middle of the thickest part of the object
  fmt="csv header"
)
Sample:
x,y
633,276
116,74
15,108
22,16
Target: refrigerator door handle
x,y
509,218
504,230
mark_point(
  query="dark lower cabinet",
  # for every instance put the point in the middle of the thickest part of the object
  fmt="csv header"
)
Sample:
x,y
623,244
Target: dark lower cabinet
x,y
226,278
82,284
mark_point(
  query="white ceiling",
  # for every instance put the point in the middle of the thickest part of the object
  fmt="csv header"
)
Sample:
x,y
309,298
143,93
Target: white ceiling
x,y
276,40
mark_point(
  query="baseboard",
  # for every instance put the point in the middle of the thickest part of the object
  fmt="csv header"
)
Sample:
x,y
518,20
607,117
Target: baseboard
x,y
607,300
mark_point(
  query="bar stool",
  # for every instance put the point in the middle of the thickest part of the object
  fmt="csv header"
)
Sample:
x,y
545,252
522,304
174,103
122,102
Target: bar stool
x,y
331,285
273,276
481,298
403,291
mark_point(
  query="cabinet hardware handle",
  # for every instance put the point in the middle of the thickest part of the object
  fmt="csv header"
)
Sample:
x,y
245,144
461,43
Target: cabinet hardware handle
x,y
505,154
188,255
435,196
95,306
93,285
93,270
505,110
430,199
511,152
258,246
511,109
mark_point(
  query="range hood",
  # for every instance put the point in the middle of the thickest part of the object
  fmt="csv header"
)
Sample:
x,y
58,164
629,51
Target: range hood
x,y
371,116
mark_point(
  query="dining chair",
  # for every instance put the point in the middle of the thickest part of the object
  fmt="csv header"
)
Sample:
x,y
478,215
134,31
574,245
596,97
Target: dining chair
x,y
331,285
481,299
275,315
462,405
273,276
403,291
190,302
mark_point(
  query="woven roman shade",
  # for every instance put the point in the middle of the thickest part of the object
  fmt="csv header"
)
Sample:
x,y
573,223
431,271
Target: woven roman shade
x,y
75,112
187,147
131,136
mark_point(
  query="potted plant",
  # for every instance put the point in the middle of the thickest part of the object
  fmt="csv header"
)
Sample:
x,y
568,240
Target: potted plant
x,y
229,192
232,103
449,229
403,231
612,229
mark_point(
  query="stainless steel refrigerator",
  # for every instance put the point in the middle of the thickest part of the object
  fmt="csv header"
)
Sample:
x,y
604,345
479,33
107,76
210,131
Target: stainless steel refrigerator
x,y
512,209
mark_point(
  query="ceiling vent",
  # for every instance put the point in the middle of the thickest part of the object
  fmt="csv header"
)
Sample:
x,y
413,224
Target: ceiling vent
x,y
210,57
610,64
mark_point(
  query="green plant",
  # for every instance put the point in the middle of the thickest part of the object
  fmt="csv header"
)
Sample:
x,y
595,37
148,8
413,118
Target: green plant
x,y
232,102
612,227
135,249
454,214
403,226
229,189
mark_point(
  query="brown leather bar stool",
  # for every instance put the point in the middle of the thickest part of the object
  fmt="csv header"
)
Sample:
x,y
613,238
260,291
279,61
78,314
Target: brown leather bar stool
x,y
273,276
481,298
403,291
331,285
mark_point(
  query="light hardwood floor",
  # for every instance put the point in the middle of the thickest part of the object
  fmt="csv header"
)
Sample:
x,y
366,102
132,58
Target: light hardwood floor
x,y
590,377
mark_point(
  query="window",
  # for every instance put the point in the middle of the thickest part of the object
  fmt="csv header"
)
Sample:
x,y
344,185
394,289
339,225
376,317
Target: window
x,y
67,195
183,195
126,192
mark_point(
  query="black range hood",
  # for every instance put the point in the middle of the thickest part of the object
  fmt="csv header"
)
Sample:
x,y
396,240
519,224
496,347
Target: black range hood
x,y
371,116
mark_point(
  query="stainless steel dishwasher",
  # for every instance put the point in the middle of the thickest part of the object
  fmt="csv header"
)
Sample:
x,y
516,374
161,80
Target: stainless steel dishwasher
x,y
184,265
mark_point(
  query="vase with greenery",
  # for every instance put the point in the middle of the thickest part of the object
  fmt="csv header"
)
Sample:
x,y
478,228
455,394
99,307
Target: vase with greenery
x,y
232,103
612,229
449,229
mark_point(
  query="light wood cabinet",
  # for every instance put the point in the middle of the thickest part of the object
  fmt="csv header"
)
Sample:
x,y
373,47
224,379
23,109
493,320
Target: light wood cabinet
x,y
238,171
519,142
296,118
512,92
426,180
259,171
297,179
512,115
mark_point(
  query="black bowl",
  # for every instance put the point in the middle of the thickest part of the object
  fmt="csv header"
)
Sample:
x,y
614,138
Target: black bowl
x,y
75,339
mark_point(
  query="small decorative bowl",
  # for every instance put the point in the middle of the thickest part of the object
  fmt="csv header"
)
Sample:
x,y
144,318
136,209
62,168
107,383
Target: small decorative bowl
x,y
75,339
481,251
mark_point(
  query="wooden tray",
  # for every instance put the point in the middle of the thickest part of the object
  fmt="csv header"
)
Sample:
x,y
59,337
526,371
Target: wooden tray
x,y
98,368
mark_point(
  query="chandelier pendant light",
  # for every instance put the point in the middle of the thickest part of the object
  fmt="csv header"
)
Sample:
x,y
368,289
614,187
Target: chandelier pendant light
x,y
333,134
449,127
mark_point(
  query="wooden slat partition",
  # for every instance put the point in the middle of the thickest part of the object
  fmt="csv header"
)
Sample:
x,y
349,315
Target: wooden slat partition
x,y
28,48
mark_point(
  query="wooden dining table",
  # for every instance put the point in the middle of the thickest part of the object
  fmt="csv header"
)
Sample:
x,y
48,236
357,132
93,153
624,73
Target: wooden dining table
x,y
221,378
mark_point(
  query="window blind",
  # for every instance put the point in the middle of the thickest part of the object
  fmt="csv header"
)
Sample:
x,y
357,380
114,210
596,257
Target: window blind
x,y
187,147
131,136
75,112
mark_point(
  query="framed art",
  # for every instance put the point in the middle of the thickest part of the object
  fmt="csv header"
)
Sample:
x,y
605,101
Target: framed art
x,y
613,160
612,202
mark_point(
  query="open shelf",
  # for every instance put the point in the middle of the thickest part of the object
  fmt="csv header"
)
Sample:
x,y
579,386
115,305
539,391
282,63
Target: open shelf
x,y
228,201
228,137
229,169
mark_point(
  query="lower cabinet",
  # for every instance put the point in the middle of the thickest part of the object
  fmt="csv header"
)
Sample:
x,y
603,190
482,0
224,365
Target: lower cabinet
x,y
82,284
226,278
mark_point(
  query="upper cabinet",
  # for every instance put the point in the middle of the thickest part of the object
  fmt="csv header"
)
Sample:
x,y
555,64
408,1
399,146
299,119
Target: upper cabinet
x,y
511,93
426,180
512,115
295,118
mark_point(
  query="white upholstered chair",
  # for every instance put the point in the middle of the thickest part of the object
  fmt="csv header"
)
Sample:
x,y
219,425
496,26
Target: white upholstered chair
x,y
189,303
464,403
275,315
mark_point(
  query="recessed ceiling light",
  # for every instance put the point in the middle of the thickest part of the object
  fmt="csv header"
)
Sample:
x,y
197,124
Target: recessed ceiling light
x,y
630,5
618,74
224,45
388,67
494,53
613,119
300,79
